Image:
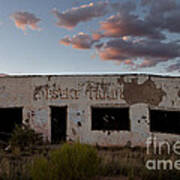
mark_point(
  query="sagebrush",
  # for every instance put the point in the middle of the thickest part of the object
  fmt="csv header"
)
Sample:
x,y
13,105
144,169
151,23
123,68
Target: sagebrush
x,y
69,162
24,137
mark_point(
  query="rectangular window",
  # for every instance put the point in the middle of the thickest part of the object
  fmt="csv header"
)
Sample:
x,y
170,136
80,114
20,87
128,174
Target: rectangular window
x,y
165,121
110,118
9,117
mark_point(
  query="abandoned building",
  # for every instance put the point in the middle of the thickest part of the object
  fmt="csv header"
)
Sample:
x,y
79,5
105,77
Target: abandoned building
x,y
107,110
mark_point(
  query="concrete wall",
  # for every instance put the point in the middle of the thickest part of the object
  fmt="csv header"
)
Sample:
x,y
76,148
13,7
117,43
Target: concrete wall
x,y
79,93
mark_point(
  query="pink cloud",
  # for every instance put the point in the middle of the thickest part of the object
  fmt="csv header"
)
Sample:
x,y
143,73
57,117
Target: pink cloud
x,y
23,20
129,62
79,41
160,17
97,36
127,36
71,17
151,52
124,24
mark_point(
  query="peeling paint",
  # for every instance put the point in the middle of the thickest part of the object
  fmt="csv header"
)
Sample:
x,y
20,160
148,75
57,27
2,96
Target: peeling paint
x,y
146,92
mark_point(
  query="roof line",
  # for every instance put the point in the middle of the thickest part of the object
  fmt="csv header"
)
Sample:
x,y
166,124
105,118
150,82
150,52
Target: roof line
x,y
90,75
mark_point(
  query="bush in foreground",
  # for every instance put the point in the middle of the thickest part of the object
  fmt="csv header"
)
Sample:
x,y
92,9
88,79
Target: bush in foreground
x,y
24,137
72,162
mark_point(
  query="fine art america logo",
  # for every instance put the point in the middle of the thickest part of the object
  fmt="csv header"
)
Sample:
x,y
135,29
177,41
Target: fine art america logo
x,y
156,149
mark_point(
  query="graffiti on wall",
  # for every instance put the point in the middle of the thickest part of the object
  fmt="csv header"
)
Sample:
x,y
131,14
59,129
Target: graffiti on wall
x,y
53,92
90,89
101,90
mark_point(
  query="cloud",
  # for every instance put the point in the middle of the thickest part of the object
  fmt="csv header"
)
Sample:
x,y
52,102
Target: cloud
x,y
79,41
174,67
128,25
97,35
129,62
164,16
134,35
23,20
71,17
158,18
124,7
151,52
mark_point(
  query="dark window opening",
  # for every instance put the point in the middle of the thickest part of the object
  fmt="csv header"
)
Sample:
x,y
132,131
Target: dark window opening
x,y
58,124
9,117
110,119
165,121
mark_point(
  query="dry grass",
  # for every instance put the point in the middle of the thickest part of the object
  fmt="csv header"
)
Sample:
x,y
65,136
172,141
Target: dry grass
x,y
117,163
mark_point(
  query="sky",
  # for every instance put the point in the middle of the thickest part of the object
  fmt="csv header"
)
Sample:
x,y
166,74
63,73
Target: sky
x,y
83,36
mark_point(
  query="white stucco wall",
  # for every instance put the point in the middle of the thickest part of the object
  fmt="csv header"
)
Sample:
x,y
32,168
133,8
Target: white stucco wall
x,y
79,93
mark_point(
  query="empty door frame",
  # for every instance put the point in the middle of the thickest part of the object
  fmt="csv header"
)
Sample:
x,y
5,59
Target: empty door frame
x,y
58,117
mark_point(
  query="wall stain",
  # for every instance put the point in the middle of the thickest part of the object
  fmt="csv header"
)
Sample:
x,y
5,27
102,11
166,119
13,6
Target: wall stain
x,y
73,131
141,93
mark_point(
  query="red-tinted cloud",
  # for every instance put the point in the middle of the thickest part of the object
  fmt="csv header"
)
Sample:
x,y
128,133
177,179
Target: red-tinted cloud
x,y
128,25
159,17
129,35
97,36
151,52
129,62
71,17
23,20
79,41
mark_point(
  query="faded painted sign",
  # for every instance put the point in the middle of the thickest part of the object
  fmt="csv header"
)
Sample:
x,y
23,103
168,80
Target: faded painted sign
x,y
53,92
92,90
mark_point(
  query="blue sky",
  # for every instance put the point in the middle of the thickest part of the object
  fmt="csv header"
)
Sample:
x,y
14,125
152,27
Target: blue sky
x,y
54,50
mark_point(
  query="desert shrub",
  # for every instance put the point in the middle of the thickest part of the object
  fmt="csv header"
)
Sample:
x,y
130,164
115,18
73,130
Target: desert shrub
x,y
72,162
23,137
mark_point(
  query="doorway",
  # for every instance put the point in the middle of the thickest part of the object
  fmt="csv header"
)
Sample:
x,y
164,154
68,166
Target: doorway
x,y
58,124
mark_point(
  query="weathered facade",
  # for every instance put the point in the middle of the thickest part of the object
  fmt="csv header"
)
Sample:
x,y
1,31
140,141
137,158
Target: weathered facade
x,y
107,110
